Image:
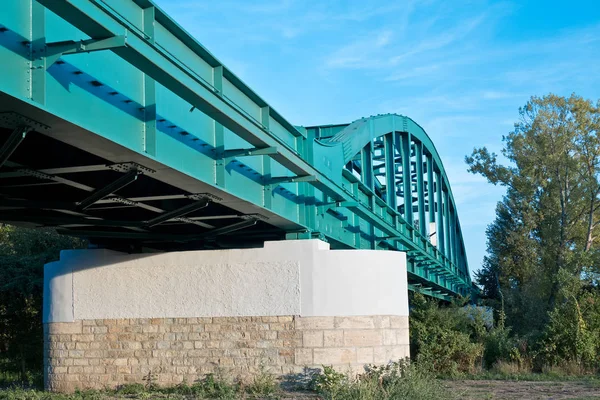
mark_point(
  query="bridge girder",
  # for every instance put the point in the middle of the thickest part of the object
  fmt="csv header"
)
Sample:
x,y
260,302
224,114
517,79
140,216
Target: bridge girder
x,y
124,101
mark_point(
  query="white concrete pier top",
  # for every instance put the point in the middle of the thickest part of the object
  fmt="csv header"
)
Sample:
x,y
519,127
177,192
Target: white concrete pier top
x,y
296,277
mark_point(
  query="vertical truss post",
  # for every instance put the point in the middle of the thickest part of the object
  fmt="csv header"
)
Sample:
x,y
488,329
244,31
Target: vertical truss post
x,y
405,151
219,131
268,187
38,48
266,162
433,230
447,225
420,188
265,117
420,194
455,234
149,88
440,213
390,170
355,218
366,163
368,179
311,208
430,189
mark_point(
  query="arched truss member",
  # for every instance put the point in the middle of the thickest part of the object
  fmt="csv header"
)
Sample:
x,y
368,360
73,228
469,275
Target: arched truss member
x,y
392,156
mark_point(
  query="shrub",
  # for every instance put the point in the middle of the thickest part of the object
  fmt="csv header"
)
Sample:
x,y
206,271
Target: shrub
x,y
444,338
397,380
329,381
264,384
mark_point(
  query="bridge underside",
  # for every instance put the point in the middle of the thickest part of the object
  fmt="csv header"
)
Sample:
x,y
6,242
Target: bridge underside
x,y
67,179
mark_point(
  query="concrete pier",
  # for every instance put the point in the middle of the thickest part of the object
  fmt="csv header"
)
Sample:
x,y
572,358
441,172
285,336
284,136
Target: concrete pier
x,y
112,318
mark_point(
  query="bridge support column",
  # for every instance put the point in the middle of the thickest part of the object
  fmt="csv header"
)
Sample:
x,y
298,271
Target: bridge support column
x,y
112,318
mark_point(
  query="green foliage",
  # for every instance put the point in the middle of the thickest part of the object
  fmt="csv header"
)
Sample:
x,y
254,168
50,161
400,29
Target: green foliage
x,y
543,264
567,336
23,253
397,380
446,338
329,381
264,385
215,387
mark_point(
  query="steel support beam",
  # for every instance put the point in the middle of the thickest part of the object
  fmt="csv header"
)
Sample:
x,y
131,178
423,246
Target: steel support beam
x,y
390,170
99,194
180,212
149,17
57,49
231,228
14,140
420,188
248,152
440,214
430,189
406,181
448,241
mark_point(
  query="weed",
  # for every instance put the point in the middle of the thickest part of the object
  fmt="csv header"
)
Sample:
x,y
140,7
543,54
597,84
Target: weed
x,y
398,380
264,384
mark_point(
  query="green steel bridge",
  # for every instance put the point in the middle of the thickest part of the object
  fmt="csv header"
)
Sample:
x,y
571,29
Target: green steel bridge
x,y
116,125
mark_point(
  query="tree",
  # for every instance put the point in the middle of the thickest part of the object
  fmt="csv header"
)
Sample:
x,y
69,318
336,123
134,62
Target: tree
x,y
545,236
23,253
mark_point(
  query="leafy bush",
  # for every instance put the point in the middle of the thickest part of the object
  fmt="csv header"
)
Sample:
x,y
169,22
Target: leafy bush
x,y
264,385
329,382
444,337
397,380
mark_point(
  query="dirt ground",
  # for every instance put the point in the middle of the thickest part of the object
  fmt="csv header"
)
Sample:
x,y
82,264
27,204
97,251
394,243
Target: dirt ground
x,y
510,390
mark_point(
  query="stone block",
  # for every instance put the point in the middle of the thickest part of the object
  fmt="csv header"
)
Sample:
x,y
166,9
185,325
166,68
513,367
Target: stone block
x,y
400,352
190,347
380,355
354,323
310,323
303,356
389,337
364,355
312,338
333,338
334,356
362,338
402,336
398,322
64,328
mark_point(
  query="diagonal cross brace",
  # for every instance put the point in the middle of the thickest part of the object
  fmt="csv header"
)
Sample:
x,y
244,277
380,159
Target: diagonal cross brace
x,y
180,212
231,228
99,194
14,140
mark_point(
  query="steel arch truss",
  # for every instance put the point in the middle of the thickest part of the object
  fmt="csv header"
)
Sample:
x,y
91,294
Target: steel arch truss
x,y
390,159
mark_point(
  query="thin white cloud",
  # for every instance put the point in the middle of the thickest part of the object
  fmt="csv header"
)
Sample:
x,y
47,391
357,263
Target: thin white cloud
x,y
361,53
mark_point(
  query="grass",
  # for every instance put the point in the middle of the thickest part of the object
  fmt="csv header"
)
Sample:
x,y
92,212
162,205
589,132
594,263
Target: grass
x,y
504,371
264,386
398,381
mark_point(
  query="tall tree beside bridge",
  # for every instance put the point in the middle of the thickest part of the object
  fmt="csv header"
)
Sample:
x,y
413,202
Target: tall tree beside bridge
x,y
543,259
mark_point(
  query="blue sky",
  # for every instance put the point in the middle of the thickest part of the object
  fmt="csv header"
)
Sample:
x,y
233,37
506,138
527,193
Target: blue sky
x,y
461,69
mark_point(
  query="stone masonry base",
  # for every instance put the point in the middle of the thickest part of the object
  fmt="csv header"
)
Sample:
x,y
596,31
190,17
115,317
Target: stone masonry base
x,y
167,351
